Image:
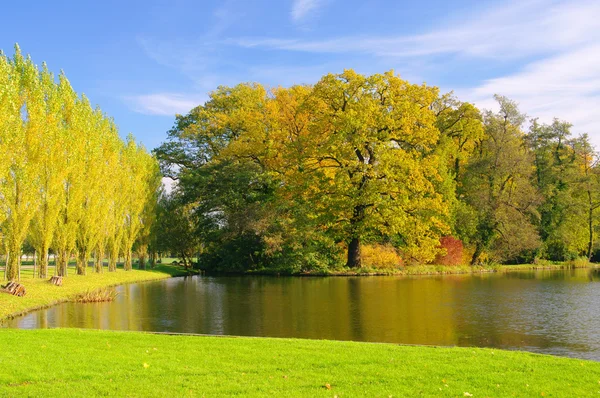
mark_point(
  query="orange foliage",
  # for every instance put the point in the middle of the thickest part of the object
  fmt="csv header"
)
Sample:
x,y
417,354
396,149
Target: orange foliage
x,y
451,253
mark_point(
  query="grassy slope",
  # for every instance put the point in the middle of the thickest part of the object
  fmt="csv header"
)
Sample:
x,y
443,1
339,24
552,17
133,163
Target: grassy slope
x,y
83,363
41,294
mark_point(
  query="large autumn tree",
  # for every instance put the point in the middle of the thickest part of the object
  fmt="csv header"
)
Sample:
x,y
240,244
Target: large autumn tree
x,y
352,156
369,157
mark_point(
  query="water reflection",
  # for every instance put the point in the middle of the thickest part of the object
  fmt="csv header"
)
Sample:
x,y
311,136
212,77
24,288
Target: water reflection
x,y
545,311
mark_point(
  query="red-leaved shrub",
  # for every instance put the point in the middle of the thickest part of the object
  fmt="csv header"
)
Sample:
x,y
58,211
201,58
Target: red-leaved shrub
x,y
453,251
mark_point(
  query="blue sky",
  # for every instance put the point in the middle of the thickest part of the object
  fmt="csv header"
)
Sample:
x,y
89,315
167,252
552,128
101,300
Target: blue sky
x,y
144,61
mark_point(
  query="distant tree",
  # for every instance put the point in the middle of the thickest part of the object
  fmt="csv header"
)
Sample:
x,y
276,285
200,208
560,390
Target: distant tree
x,y
498,185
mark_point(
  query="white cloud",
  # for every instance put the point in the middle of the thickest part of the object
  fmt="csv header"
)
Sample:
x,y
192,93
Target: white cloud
x,y
566,86
302,8
166,104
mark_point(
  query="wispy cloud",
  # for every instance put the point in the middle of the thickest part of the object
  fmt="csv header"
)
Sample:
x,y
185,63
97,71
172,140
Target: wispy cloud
x,y
165,104
302,8
521,28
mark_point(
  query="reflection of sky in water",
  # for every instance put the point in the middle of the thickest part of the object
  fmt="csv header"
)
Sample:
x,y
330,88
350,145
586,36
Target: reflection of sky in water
x,y
553,312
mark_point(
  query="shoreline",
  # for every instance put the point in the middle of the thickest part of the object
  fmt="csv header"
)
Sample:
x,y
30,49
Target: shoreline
x,y
415,270
55,295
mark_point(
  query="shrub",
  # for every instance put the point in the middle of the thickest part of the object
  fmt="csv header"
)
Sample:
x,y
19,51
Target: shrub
x,y
380,257
451,253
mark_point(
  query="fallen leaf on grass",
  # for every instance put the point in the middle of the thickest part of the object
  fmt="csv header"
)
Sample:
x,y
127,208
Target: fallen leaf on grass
x,y
327,386
146,365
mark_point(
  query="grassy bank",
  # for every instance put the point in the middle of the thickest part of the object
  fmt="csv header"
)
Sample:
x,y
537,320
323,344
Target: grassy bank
x,y
41,294
75,362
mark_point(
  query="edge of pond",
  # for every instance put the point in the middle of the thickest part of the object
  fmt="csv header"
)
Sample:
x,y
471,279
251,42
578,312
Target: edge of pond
x,y
177,274
417,271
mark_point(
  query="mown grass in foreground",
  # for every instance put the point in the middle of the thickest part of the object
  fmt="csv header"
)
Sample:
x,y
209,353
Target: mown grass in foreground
x,y
72,362
40,293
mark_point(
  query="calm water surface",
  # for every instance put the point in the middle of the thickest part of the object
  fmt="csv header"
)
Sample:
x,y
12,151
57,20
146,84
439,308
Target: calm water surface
x,y
553,312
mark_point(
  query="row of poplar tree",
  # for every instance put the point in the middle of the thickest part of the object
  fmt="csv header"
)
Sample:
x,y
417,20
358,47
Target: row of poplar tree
x,y
68,182
306,177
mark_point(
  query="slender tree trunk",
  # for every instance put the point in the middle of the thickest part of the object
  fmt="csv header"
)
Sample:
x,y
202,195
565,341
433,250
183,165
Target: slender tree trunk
x,y
82,262
63,262
6,264
99,264
112,263
142,261
476,254
128,265
152,259
59,258
12,265
456,168
43,261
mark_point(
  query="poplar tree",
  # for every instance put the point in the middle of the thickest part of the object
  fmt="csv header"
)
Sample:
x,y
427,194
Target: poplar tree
x,y
21,148
52,172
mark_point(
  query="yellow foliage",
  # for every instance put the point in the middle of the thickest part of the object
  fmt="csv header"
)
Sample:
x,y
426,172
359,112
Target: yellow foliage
x,y
381,257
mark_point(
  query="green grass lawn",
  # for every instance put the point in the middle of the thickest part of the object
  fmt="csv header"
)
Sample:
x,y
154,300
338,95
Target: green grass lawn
x,y
40,293
72,362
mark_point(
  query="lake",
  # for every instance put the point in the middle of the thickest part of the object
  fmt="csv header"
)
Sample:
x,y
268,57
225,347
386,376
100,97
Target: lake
x,y
552,312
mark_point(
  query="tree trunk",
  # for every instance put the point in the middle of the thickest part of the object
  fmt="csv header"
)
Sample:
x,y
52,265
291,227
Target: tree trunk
x,y
152,259
477,254
354,258
12,265
43,262
82,262
61,262
142,261
127,266
6,264
112,263
99,264
456,168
